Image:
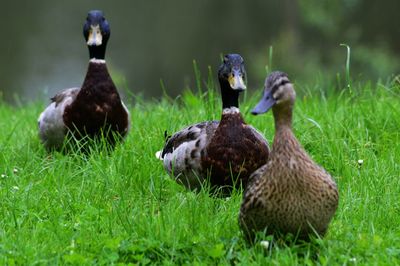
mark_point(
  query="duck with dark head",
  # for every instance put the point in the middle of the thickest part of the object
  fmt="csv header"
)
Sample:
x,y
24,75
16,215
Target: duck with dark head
x,y
96,108
224,152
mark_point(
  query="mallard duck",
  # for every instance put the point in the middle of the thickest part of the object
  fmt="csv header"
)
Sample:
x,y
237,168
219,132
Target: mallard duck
x,y
225,152
95,108
290,194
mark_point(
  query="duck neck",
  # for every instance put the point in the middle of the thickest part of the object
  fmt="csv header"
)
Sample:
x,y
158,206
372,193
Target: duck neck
x,y
282,118
97,52
283,126
97,77
231,124
230,97
232,115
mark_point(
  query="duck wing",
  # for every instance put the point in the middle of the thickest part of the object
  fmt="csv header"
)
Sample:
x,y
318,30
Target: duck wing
x,y
259,136
182,153
51,124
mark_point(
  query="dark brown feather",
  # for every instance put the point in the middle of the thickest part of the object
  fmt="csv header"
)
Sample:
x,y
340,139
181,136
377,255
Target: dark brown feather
x,y
233,153
97,107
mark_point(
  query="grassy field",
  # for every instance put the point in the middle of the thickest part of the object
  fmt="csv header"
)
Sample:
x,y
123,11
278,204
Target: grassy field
x,y
121,207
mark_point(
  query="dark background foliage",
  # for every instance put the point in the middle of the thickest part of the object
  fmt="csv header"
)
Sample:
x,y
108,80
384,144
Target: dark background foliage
x,y
42,49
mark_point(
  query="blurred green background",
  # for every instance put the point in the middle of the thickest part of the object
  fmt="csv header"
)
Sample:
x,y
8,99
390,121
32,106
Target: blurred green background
x,y
42,49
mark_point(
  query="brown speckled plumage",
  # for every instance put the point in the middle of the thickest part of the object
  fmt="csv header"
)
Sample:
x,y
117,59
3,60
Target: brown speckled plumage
x,y
291,193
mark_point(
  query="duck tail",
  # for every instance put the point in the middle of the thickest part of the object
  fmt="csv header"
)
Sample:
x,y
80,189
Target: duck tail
x,y
159,155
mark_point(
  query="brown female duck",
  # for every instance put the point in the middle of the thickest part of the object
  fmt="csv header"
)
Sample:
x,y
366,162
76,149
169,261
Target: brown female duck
x,y
291,194
96,108
224,152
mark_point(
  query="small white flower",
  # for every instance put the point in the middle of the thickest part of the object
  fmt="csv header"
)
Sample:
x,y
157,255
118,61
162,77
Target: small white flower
x,y
15,170
265,244
360,162
3,176
73,243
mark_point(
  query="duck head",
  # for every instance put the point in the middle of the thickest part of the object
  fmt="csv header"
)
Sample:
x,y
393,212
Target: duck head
x,y
97,32
232,77
278,93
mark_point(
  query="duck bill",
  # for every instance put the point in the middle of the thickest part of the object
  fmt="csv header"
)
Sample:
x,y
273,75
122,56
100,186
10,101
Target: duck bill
x,y
265,104
95,37
236,80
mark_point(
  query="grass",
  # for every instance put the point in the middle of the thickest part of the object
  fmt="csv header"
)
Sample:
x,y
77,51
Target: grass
x,y
121,207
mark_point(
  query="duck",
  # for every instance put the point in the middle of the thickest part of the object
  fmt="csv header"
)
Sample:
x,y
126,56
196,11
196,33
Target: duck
x,y
222,152
290,194
93,110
